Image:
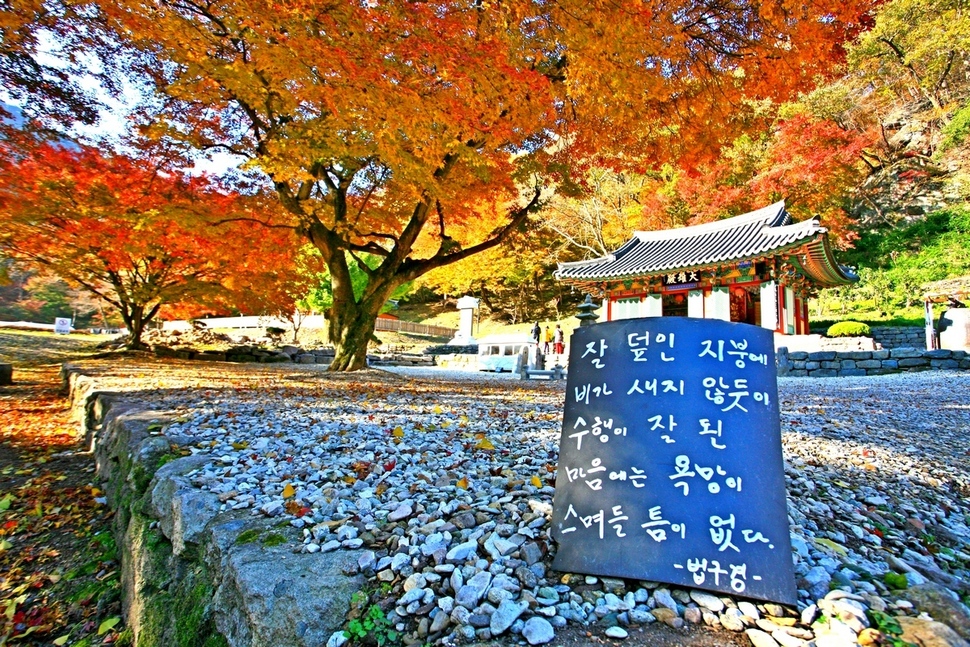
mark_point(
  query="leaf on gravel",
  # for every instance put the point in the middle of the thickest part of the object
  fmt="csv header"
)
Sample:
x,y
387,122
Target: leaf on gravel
x,y
108,625
437,409
536,482
485,444
398,432
61,641
289,491
831,545
462,483
5,502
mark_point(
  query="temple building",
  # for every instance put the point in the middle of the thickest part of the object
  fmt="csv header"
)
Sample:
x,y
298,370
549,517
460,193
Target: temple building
x,y
759,268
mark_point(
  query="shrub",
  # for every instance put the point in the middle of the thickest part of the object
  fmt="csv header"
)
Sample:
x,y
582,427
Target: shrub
x,y
849,329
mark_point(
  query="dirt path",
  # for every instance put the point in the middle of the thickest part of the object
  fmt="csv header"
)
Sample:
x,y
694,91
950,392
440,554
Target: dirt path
x,y
59,581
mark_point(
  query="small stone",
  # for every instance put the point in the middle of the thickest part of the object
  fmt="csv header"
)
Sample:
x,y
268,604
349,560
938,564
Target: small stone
x,y
785,639
387,575
462,552
693,615
399,561
473,591
367,560
441,620
412,595
507,613
464,520
731,620
613,585
706,600
749,610
531,553
759,638
616,632
538,631
663,599
775,610
416,580
816,582
337,639
641,617
809,614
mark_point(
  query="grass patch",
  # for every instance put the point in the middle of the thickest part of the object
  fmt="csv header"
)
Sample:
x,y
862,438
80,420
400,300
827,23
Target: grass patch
x,y
247,536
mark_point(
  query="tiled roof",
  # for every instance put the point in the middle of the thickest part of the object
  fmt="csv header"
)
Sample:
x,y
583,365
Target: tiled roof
x,y
760,233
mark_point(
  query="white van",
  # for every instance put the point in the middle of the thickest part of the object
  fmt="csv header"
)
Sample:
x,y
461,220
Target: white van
x,y
499,352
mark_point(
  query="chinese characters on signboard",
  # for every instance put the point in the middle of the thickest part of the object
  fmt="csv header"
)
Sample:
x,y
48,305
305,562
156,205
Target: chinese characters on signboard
x,y
670,465
681,280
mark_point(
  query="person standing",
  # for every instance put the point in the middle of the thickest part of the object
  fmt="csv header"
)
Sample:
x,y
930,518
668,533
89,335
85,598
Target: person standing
x,y
536,332
547,339
559,340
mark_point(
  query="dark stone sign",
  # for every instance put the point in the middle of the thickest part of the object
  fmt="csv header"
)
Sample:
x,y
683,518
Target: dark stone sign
x,y
670,465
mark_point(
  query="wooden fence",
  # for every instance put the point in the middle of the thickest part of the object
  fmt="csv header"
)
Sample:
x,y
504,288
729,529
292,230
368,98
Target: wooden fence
x,y
396,325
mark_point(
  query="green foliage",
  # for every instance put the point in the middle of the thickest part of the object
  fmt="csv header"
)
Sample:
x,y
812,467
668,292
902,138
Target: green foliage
x,y
374,625
849,329
957,131
895,262
895,580
274,539
889,626
248,536
320,297
165,459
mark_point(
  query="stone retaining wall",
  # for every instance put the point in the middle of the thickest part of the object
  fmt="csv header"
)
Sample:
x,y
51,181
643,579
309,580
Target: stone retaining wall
x,y
193,573
899,336
400,359
877,362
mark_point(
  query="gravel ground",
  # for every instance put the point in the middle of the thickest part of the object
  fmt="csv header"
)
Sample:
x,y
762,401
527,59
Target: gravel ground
x,y
446,480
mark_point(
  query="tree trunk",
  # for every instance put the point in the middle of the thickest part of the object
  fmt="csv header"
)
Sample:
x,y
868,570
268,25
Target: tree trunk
x,y
351,328
134,317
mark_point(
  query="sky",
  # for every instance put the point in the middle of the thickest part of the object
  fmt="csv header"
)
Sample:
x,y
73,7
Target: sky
x,y
114,120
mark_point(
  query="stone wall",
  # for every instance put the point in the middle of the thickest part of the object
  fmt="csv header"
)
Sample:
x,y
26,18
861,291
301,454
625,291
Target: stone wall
x,y
899,336
876,362
194,571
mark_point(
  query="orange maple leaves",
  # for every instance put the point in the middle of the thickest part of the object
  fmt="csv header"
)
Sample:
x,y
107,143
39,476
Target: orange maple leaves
x,y
140,235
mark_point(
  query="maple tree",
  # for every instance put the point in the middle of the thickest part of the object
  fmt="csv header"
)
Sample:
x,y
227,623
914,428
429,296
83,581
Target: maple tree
x,y
46,66
813,164
915,50
138,236
383,126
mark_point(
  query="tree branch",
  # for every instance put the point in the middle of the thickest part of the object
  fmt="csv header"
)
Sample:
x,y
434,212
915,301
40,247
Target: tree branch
x,y
412,269
256,220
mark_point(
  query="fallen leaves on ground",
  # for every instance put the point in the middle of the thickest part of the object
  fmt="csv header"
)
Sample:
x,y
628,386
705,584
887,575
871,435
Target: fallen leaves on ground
x,y
59,574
